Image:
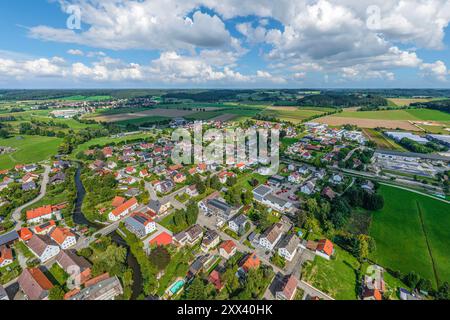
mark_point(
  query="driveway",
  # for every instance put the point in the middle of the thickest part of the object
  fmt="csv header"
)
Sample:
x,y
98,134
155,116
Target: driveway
x,y
17,212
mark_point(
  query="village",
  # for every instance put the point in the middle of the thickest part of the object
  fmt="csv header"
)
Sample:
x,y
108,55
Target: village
x,y
237,224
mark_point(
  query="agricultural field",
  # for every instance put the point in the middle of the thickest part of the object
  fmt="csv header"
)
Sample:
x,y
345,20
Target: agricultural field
x,y
402,102
167,113
405,115
29,149
334,277
293,114
415,228
44,116
335,121
382,141
144,120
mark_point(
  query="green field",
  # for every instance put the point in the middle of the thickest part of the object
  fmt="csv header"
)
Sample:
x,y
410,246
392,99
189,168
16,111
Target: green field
x,y
144,120
292,115
30,149
410,114
106,140
411,233
334,277
382,141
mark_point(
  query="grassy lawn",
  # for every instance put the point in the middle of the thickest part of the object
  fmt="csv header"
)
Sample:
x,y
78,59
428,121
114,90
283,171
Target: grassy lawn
x,y
334,277
400,237
20,246
58,274
30,149
178,267
243,181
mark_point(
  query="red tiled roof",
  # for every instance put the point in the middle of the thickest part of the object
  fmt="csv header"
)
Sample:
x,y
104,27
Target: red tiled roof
x,y
25,234
45,226
96,280
289,287
127,205
175,167
325,246
228,246
162,239
214,278
60,235
5,254
40,278
39,212
375,293
118,201
252,262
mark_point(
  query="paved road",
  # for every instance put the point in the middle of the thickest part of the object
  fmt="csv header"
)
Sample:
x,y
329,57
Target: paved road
x,y
17,212
350,154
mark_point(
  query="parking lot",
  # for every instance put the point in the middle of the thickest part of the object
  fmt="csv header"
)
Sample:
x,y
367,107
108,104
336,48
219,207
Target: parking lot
x,y
287,192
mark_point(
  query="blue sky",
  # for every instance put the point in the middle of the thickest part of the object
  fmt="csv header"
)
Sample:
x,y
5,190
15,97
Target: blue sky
x,y
225,44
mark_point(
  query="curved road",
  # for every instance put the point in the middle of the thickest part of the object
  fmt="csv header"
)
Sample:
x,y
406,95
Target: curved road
x,y
16,214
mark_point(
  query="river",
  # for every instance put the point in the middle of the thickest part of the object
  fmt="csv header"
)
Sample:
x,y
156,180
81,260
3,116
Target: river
x,y
80,219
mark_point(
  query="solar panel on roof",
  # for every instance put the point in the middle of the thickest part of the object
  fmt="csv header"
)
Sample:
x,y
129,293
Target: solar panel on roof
x,y
219,204
140,219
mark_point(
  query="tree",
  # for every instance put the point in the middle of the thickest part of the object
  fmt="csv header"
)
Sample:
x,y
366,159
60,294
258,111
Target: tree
x,y
201,187
363,247
215,183
197,290
412,279
443,292
160,257
247,197
424,285
231,181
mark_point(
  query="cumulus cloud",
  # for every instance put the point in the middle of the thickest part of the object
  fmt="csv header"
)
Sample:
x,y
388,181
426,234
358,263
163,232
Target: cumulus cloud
x,y
75,52
437,70
170,68
150,25
332,37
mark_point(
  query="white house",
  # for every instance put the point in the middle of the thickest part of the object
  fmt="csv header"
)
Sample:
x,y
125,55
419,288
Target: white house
x,y
227,249
271,236
308,187
43,247
123,210
63,237
140,224
6,256
288,247
336,179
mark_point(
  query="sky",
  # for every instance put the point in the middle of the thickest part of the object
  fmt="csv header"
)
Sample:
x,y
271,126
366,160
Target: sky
x,y
224,44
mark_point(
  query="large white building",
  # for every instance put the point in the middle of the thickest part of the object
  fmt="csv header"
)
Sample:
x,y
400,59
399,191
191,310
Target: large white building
x,y
43,247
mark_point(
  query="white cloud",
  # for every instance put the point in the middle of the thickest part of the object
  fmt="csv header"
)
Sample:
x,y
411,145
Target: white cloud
x,y
311,36
75,52
437,70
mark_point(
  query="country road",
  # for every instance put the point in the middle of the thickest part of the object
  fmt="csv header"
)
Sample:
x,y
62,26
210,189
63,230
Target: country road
x,y
17,212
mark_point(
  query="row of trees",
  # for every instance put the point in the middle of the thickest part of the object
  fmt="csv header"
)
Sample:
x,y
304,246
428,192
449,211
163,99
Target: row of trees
x,y
421,148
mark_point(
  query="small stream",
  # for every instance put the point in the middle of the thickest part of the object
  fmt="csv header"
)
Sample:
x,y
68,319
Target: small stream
x,y
80,219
